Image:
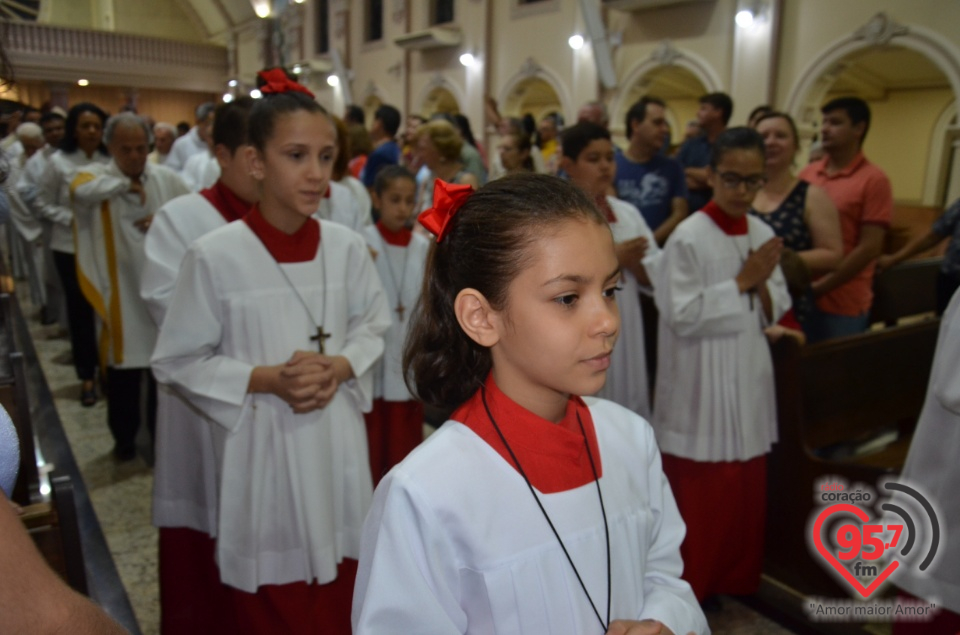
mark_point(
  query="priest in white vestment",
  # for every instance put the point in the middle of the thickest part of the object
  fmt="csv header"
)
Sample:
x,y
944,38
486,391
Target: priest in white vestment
x,y
114,206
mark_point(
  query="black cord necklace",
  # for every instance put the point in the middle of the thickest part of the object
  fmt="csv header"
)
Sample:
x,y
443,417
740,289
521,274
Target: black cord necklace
x,y
603,511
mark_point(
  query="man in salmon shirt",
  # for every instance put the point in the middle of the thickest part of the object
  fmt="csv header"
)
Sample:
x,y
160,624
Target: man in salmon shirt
x,y
862,193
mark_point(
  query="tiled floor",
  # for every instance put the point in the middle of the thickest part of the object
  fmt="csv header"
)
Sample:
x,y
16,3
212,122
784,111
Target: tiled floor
x,y
121,493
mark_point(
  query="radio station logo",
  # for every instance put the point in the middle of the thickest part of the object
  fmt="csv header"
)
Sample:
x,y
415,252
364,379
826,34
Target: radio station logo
x,y
864,541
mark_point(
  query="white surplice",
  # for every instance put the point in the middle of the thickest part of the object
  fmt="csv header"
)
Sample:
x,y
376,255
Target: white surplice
x,y
932,468
110,255
53,201
715,393
456,544
627,383
293,488
28,230
184,474
343,208
360,194
403,267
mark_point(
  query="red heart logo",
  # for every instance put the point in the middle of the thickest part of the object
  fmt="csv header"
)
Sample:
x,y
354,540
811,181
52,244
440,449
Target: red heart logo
x,y
829,557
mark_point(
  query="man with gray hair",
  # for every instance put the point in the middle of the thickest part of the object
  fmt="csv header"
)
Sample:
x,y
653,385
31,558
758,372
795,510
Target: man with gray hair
x,y
164,134
114,204
25,231
194,141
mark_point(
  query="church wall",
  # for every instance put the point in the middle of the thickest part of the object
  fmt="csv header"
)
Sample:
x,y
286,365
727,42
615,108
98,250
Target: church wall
x,y
156,18
73,13
900,135
811,26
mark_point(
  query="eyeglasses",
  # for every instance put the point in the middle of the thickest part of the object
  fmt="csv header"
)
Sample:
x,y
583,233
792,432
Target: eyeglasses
x,y
732,181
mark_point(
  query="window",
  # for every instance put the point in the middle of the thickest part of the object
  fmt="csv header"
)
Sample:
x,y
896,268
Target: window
x,y
442,11
374,29
323,27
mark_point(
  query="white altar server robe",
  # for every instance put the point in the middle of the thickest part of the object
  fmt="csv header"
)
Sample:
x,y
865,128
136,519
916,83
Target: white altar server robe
x,y
408,265
456,544
932,467
184,475
110,253
343,208
293,488
53,201
627,382
715,393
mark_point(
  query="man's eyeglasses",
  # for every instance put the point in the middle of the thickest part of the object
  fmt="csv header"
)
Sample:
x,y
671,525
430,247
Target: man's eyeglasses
x,y
732,181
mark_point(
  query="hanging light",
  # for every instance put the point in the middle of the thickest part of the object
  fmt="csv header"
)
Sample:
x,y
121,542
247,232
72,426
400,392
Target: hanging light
x,y
576,42
467,59
745,18
256,94
83,82
227,98
333,80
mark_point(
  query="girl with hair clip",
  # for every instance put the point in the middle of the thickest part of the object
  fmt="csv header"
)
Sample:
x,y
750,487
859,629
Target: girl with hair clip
x,y
532,510
271,333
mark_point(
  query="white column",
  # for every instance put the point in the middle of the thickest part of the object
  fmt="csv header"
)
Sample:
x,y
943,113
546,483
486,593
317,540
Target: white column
x,y
754,56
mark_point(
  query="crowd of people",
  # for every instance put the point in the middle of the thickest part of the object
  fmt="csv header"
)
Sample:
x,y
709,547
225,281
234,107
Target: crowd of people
x,y
283,291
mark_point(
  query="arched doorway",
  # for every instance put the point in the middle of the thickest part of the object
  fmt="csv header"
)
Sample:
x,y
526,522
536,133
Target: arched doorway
x,y
910,77
908,95
439,100
679,87
532,95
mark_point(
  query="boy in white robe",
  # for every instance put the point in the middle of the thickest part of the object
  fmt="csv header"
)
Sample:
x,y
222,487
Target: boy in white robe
x,y
588,160
184,477
114,205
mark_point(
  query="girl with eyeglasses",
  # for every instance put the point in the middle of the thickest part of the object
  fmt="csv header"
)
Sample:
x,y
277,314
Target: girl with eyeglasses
x,y
718,286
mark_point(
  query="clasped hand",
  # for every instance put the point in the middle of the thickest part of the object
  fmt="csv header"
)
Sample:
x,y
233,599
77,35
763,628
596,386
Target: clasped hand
x,y
759,265
307,381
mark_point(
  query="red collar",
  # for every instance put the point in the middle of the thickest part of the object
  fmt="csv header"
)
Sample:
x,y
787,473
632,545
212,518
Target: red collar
x,y
727,224
604,206
329,190
230,206
397,239
301,246
552,454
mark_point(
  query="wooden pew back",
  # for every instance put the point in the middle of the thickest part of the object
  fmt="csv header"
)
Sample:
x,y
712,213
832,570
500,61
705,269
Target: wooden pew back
x,y
853,386
908,289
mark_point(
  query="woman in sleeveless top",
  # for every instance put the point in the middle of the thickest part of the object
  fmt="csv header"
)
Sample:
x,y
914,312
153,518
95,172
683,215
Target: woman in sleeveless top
x,y
798,212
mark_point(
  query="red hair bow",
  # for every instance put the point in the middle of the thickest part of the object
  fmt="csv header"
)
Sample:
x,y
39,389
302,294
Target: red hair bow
x,y
447,200
277,82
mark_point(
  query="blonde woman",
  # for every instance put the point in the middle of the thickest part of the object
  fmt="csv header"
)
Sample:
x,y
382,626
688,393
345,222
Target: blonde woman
x,y
439,145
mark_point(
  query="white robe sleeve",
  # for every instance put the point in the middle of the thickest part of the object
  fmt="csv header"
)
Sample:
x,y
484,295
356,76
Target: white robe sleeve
x,y
408,581
164,249
368,319
666,597
89,188
47,202
689,306
187,353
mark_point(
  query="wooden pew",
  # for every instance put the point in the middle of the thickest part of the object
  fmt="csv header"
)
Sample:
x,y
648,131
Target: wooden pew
x,y
55,528
831,398
905,290
908,222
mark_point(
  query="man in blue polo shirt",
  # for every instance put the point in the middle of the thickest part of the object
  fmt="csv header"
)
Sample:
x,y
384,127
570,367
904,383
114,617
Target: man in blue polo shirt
x,y
653,183
694,155
386,151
